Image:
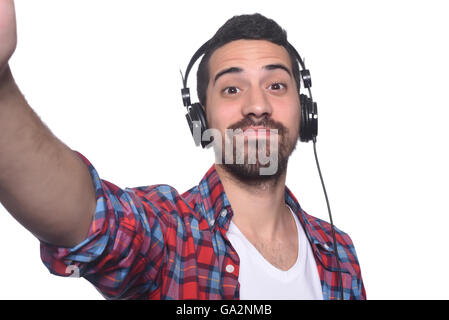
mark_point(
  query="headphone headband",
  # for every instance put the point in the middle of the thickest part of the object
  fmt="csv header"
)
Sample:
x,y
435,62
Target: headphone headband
x,y
195,57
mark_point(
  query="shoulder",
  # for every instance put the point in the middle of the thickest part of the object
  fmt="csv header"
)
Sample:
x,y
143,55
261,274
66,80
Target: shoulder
x,y
322,231
163,198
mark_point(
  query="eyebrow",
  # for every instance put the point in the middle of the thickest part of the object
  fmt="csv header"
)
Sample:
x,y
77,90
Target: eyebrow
x,y
278,66
239,70
228,70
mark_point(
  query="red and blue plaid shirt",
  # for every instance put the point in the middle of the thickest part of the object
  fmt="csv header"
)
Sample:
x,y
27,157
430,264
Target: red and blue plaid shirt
x,y
154,243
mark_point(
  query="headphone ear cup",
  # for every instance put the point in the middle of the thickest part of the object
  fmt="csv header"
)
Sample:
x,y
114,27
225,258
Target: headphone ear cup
x,y
304,118
314,121
196,118
308,127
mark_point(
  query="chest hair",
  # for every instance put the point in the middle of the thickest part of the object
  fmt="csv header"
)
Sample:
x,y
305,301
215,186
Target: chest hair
x,y
281,254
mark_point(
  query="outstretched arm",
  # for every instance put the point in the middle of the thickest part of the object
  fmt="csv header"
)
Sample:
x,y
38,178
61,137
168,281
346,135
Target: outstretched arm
x,y
43,183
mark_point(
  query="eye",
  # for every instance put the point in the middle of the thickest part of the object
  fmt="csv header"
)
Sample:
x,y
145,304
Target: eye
x,y
231,90
276,86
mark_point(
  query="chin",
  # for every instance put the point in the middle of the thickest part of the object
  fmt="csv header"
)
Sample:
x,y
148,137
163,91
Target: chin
x,y
250,174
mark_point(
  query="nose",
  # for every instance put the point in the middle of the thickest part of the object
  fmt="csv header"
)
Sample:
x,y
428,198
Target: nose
x,y
257,106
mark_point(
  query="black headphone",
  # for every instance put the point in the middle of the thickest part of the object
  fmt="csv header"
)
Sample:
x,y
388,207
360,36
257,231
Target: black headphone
x,y
197,117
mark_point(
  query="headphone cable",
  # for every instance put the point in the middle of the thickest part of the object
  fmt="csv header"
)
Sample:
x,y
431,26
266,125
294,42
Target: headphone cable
x,y
332,223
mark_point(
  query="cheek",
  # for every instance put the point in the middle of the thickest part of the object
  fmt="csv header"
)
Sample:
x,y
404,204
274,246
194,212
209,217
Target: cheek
x,y
290,116
222,116
295,116
296,119
214,112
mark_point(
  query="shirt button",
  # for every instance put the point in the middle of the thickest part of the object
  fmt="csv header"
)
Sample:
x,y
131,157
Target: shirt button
x,y
230,268
223,213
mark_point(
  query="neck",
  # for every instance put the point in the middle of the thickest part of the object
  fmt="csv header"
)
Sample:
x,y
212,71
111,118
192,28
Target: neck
x,y
259,209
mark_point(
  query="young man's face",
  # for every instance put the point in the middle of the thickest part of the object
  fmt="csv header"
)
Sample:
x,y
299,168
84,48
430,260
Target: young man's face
x,y
252,86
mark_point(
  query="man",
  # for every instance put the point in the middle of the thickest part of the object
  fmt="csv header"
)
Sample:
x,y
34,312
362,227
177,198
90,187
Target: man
x,y
237,234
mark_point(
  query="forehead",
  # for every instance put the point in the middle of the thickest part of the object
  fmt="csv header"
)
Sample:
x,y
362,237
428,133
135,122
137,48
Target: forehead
x,y
248,54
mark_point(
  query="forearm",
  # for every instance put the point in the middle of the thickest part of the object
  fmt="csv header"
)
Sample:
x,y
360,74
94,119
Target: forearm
x,y
43,183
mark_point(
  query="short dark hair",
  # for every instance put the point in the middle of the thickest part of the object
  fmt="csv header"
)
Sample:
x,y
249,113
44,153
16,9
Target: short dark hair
x,y
249,27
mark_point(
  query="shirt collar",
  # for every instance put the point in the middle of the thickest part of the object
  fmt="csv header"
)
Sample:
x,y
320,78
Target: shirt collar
x,y
216,208
314,236
217,211
215,205
318,234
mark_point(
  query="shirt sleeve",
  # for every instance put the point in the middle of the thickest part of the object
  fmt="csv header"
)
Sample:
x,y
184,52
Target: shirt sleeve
x,y
122,253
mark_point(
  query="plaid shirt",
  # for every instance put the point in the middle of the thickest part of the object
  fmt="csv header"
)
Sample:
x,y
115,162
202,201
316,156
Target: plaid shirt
x,y
154,243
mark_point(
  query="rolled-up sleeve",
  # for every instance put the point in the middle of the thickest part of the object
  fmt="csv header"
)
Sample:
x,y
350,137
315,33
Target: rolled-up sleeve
x,y
122,253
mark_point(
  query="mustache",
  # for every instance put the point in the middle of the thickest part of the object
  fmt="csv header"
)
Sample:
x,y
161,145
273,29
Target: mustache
x,y
265,122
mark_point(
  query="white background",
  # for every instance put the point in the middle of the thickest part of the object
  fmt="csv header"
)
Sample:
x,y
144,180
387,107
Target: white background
x,y
104,76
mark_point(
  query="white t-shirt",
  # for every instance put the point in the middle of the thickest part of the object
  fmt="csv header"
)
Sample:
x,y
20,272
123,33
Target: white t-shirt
x,y
260,280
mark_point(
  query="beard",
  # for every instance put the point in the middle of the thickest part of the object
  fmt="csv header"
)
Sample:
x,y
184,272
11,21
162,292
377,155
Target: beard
x,y
248,159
